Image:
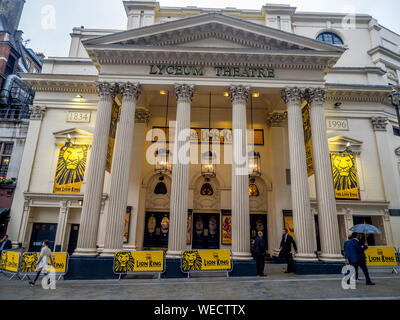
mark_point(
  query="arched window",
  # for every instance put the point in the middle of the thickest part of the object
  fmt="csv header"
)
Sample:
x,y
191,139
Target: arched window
x,y
330,38
206,190
160,188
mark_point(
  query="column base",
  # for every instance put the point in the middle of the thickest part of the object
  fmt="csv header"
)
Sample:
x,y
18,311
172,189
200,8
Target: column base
x,y
109,252
85,252
332,258
319,267
311,257
241,256
173,254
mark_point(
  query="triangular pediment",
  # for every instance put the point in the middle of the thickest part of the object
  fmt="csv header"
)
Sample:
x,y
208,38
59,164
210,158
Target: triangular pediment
x,y
218,29
75,135
341,143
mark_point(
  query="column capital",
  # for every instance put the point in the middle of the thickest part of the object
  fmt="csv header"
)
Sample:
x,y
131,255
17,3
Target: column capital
x,y
316,95
142,115
106,89
276,118
184,92
37,112
379,123
130,90
292,95
239,93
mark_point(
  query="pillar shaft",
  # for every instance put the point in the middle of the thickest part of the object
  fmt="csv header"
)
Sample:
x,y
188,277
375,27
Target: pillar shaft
x,y
327,215
95,174
302,218
240,178
120,170
180,172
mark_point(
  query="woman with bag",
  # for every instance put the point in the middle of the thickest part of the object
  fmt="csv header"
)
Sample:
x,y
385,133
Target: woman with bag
x,y
42,263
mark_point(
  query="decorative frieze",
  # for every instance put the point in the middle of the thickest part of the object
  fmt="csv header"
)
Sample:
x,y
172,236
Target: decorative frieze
x,y
292,95
379,123
106,89
37,112
130,90
276,119
316,95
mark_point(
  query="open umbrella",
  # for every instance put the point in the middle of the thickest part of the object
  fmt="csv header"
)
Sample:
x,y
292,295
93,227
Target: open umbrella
x,y
365,228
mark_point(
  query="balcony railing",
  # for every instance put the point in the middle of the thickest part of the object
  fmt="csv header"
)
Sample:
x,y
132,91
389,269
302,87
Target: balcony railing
x,y
14,113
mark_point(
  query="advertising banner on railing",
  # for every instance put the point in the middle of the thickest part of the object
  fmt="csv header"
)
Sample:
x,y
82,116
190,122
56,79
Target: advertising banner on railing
x,y
206,260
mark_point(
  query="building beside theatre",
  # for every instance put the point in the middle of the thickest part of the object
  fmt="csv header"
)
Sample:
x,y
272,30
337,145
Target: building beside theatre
x,y
98,173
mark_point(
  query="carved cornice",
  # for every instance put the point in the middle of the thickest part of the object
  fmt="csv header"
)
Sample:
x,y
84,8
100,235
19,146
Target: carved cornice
x,y
37,112
239,93
276,119
316,95
379,123
292,95
107,89
130,90
142,115
184,92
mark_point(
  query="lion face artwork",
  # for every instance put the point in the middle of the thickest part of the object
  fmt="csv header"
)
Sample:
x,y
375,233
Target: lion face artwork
x,y
3,261
191,260
124,262
70,168
344,172
29,261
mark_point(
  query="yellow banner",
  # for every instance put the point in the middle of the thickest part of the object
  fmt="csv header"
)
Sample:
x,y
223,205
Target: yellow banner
x,y
381,256
111,136
10,261
138,261
305,111
70,168
29,262
345,179
202,260
289,226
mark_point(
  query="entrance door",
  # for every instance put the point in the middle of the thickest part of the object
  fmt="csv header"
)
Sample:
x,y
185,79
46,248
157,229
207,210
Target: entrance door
x,y
258,222
368,220
73,238
206,231
41,232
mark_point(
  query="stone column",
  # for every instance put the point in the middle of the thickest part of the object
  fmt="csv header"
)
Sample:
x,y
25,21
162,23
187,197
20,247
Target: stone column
x,y
240,178
120,170
327,214
87,238
180,172
22,238
61,226
277,121
17,227
302,217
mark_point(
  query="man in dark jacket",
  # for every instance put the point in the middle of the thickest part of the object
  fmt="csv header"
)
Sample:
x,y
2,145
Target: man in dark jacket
x,y
260,249
347,245
357,257
5,244
286,248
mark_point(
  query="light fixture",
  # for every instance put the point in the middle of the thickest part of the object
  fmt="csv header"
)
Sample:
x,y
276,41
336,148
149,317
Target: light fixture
x,y
255,95
79,98
207,161
163,163
68,143
337,104
254,157
163,92
226,94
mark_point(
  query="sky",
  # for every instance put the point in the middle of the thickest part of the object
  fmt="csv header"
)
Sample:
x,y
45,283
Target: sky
x,y
47,24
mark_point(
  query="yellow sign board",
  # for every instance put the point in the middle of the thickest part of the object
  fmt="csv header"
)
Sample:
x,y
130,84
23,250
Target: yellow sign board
x,y
10,261
29,262
206,260
70,168
345,177
305,111
381,256
138,261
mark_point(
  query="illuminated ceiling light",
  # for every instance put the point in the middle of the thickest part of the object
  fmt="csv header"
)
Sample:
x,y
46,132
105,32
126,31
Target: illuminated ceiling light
x,y
254,164
226,94
208,166
255,94
163,92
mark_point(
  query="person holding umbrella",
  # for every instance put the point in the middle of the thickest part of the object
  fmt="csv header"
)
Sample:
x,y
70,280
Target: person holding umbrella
x,y
356,257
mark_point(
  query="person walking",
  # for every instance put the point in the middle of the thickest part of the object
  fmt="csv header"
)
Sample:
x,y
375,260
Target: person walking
x,y
260,248
42,263
357,257
286,249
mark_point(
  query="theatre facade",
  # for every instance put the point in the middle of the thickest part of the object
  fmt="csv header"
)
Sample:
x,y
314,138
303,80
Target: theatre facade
x,y
196,128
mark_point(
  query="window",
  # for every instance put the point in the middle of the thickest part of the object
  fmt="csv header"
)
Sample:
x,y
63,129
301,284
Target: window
x,y
330,38
5,156
28,64
10,66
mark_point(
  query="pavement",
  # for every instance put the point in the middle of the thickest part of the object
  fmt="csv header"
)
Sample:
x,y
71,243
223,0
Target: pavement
x,y
275,286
